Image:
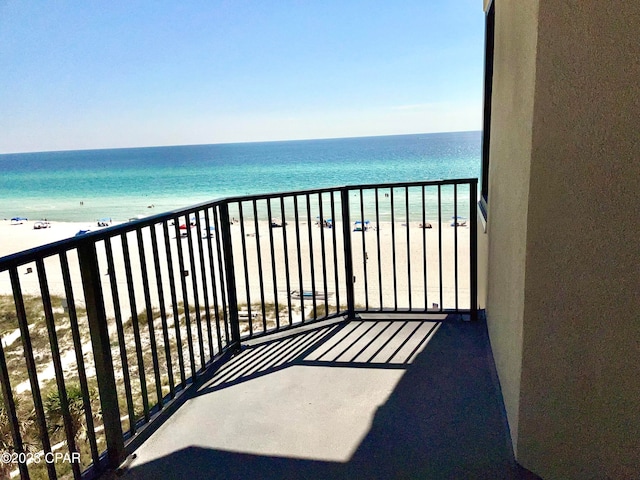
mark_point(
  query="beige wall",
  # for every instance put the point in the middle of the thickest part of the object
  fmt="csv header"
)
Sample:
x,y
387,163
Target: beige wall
x,y
564,219
512,112
580,390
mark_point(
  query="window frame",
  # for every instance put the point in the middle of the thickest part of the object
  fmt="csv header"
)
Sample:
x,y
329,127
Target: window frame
x,y
486,119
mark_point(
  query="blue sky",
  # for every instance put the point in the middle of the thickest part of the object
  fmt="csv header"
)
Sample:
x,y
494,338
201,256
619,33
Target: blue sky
x,y
84,74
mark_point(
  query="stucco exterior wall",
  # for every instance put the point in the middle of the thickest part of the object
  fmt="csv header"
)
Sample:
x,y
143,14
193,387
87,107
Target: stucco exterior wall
x,y
510,153
563,270
579,415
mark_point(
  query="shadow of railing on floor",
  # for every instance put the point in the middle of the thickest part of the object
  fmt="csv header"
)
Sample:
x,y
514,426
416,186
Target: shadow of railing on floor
x,y
391,344
444,419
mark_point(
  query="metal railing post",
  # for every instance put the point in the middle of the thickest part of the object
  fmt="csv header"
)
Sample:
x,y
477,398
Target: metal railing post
x,y
97,320
230,274
348,253
473,217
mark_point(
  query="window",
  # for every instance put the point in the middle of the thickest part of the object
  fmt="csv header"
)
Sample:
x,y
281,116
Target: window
x,y
486,126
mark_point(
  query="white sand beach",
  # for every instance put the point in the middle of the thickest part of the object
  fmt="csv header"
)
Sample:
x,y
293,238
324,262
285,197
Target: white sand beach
x,y
373,266
16,238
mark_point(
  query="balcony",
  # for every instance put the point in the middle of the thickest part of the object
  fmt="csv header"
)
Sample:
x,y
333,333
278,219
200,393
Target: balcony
x,y
368,398
315,334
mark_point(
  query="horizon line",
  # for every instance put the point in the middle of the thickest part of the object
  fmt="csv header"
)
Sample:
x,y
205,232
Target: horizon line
x,y
232,143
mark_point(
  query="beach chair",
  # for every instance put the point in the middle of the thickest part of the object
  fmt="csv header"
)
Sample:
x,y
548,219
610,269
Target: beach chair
x,y
308,295
458,222
361,226
244,315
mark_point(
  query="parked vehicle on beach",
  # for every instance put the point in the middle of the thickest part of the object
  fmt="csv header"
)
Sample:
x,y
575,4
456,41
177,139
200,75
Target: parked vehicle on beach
x,y
41,224
18,220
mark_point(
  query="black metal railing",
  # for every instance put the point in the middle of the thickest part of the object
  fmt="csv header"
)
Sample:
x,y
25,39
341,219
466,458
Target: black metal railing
x,y
114,325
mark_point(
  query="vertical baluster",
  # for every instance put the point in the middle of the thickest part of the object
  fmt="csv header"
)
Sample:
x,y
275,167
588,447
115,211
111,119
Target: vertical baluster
x,y
174,299
212,269
377,204
121,340
205,288
393,252
312,263
163,310
299,254
57,364
31,366
185,297
246,268
455,241
150,325
260,275
136,327
324,260
194,286
424,250
364,252
286,260
273,266
335,251
77,345
221,274
406,200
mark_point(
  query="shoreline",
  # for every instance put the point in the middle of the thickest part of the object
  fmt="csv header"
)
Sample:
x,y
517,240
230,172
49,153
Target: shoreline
x,y
125,209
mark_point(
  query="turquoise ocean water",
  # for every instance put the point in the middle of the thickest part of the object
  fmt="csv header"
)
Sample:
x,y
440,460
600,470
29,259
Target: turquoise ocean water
x,y
85,185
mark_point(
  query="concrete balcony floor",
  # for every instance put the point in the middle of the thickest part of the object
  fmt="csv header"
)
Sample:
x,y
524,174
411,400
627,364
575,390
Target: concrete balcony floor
x,y
380,397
